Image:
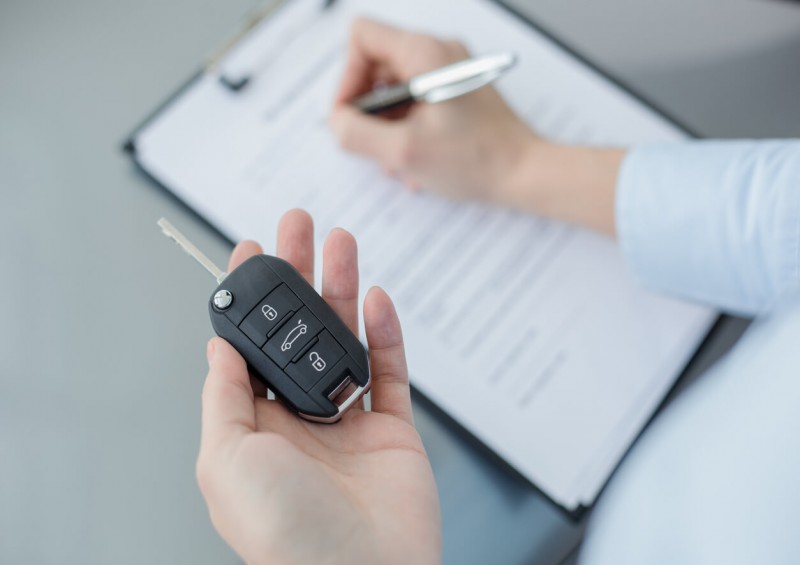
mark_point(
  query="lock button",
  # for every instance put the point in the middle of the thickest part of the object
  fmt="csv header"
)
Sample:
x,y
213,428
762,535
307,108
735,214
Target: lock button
x,y
265,317
315,362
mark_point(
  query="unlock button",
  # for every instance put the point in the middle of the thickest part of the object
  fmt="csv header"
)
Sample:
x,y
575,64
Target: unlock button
x,y
315,362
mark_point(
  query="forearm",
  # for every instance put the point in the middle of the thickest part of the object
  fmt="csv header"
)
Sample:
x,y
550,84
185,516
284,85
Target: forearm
x,y
572,183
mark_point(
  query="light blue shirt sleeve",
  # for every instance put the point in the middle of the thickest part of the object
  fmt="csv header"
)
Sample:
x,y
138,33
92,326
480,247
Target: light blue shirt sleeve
x,y
717,222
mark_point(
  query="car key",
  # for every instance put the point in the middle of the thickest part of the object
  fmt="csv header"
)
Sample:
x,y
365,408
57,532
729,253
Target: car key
x,y
291,339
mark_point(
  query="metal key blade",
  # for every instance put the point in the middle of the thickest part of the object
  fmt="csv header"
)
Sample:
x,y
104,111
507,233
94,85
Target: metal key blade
x,y
171,232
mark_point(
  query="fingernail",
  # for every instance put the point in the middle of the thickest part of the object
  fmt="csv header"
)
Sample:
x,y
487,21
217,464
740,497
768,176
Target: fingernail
x,y
210,350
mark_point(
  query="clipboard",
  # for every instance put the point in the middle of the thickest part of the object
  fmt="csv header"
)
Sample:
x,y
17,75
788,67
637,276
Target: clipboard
x,y
240,83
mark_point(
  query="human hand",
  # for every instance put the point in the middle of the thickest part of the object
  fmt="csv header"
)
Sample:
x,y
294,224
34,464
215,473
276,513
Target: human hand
x,y
466,148
283,490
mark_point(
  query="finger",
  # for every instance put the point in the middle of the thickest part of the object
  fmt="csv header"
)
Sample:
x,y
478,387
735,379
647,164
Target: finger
x,y
242,252
457,49
412,185
340,276
390,389
228,408
378,138
372,44
296,242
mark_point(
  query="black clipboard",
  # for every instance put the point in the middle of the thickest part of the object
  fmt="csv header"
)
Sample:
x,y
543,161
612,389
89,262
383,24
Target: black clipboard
x,y
129,146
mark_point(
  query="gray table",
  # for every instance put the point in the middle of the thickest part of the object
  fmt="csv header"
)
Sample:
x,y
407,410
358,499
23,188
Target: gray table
x,y
102,356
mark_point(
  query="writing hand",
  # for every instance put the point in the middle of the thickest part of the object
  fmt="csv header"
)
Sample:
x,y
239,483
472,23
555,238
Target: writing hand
x,y
471,147
467,147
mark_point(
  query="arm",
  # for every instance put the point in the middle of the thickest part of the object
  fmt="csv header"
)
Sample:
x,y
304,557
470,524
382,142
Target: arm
x,y
572,183
471,147
714,222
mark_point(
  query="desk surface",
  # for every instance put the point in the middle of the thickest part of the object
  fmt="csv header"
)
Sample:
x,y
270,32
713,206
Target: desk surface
x,y
102,357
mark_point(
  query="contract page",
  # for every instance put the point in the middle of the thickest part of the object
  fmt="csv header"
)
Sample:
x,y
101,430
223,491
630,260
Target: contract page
x,y
528,332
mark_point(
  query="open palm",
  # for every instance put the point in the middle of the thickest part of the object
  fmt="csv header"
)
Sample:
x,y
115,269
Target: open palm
x,y
283,490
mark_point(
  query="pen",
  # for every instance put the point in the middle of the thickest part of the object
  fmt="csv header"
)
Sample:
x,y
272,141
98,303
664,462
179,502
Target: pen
x,y
438,85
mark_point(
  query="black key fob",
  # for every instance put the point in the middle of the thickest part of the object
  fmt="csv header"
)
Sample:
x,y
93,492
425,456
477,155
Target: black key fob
x,y
290,338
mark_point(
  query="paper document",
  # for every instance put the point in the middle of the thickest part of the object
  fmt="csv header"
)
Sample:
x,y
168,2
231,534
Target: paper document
x,y
528,332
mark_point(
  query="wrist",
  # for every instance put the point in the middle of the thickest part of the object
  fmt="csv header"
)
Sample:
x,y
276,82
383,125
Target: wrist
x,y
567,182
513,178
529,178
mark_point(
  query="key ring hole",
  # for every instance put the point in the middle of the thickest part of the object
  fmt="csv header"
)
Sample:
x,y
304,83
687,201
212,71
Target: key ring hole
x,y
343,391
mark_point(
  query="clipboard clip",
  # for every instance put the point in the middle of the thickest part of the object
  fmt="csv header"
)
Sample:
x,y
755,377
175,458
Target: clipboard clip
x,y
236,83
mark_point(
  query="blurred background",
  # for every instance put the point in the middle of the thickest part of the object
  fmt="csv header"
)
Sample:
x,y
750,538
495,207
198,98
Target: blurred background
x,y
104,326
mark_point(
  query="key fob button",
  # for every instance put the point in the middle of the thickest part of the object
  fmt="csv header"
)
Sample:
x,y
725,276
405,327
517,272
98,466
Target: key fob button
x,y
292,337
316,362
269,313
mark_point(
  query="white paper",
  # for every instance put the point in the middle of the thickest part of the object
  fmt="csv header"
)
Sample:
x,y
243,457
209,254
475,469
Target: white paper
x,y
528,332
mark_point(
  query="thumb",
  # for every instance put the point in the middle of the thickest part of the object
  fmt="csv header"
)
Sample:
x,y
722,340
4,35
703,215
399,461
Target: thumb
x,y
377,138
228,402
